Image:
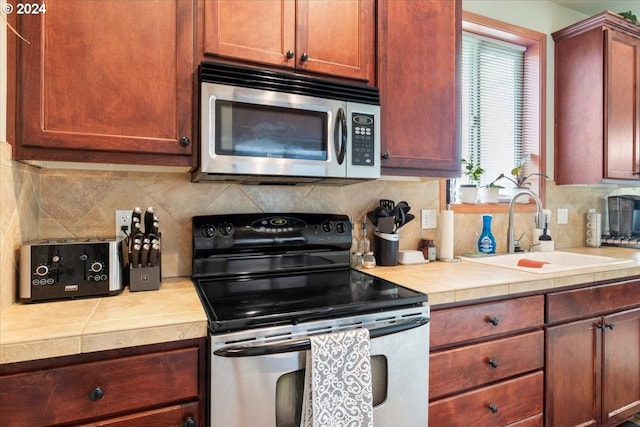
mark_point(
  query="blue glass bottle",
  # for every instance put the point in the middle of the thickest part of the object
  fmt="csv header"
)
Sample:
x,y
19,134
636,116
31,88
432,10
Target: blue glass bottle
x,y
486,242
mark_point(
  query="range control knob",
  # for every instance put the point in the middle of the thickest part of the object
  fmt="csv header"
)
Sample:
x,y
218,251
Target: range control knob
x,y
327,226
341,227
96,266
56,258
208,231
42,270
226,229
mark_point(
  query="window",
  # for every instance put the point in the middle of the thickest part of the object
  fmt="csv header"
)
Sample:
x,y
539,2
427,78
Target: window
x,y
492,89
502,98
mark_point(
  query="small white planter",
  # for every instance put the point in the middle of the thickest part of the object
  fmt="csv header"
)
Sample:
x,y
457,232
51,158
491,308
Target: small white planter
x,y
467,193
489,194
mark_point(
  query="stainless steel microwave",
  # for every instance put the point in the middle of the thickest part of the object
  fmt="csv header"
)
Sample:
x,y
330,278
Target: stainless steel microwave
x,y
260,126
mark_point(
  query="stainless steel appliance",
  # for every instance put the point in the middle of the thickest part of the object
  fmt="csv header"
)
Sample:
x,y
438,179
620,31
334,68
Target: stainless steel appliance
x,y
270,281
53,269
264,126
623,213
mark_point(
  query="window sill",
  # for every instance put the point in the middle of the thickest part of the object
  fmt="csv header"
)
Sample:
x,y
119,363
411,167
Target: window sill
x,y
482,208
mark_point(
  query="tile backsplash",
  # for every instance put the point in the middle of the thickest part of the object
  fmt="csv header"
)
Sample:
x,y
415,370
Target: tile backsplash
x,y
50,203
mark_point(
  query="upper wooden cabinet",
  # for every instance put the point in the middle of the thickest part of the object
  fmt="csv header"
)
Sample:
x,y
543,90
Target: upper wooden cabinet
x,y
597,101
108,82
418,65
334,37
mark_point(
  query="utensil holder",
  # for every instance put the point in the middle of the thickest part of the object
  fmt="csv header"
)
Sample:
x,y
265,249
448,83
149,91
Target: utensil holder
x,y
386,248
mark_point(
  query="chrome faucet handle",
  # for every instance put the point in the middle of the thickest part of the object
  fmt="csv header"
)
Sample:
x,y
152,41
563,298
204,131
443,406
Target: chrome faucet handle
x,y
517,245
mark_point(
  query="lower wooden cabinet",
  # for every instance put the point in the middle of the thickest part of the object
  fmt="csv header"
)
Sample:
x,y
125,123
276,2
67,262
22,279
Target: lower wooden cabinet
x,y
179,415
470,366
501,404
161,385
486,364
593,355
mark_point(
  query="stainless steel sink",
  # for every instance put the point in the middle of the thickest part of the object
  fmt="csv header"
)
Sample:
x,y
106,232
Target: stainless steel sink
x,y
555,261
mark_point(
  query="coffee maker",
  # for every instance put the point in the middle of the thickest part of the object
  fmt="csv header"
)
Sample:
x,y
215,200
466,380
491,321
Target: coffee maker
x,y
624,216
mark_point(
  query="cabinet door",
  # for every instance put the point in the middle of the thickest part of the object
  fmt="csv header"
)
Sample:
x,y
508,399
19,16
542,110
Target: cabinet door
x,y
331,36
336,37
621,366
255,30
572,380
418,55
107,81
622,95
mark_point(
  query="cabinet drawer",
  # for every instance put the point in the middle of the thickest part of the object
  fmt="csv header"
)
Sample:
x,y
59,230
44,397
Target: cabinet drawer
x,y
466,367
453,325
586,302
177,415
67,394
497,405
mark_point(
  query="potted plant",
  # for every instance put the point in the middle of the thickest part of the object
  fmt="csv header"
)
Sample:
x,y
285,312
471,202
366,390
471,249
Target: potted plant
x,y
520,180
490,193
468,193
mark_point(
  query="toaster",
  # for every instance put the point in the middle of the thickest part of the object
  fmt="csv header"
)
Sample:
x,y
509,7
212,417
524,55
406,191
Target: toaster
x,y
58,269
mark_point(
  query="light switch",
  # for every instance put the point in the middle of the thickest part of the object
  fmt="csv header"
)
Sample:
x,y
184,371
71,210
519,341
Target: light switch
x,y
563,216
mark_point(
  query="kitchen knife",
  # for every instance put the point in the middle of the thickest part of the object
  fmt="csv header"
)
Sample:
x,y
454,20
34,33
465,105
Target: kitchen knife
x,y
148,219
153,254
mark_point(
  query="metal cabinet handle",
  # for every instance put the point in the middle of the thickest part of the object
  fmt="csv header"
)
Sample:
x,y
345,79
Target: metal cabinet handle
x,y
290,54
304,57
494,321
386,156
96,394
305,344
185,141
493,408
493,363
189,422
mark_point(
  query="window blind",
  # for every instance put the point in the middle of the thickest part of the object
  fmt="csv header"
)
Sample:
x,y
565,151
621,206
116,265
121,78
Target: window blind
x,y
494,121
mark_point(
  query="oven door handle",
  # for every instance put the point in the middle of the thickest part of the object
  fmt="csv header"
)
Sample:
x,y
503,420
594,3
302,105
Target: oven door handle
x,y
305,343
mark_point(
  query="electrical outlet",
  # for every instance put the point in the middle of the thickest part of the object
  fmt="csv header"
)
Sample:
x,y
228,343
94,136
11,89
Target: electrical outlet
x,y
123,219
428,219
563,216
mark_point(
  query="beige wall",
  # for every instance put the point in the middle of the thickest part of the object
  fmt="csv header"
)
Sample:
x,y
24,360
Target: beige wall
x,y
44,203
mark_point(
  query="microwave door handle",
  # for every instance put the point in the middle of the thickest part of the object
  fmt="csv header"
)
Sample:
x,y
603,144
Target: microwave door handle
x,y
305,343
340,135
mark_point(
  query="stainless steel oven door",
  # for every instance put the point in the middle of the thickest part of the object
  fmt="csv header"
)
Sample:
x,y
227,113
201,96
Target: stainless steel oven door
x,y
257,376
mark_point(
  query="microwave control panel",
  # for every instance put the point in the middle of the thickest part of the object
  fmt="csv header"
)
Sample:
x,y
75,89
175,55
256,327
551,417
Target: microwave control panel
x,y
363,137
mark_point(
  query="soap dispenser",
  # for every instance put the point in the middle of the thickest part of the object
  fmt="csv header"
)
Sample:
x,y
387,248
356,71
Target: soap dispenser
x,y
486,242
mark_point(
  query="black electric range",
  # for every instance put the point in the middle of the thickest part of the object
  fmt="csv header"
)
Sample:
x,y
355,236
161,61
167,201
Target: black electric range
x,y
255,270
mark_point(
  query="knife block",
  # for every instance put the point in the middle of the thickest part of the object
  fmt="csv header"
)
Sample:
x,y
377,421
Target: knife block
x,y
144,278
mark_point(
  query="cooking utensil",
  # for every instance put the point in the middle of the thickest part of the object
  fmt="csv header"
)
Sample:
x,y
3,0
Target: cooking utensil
x,y
387,224
387,204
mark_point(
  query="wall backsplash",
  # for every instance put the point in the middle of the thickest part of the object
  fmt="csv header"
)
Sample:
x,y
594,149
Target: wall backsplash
x,y
49,203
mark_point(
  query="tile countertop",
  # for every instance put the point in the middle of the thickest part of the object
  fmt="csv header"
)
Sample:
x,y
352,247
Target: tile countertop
x,y
447,283
51,329
36,331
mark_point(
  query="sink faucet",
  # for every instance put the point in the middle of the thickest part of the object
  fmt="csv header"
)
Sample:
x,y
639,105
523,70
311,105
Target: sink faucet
x,y
539,216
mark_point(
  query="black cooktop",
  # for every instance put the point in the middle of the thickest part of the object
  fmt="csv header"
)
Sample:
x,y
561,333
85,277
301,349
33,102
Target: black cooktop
x,y
265,269
234,304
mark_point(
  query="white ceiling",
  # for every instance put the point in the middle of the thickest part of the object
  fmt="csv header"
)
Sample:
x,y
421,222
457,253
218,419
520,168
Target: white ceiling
x,y
592,7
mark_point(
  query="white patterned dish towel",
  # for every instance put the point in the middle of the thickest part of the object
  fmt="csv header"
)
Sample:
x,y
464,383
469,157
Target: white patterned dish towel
x,y
337,382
